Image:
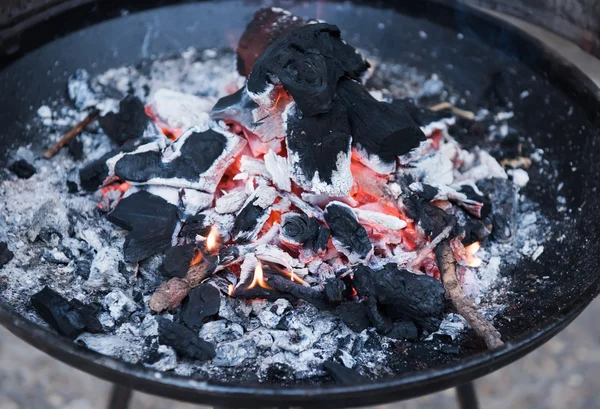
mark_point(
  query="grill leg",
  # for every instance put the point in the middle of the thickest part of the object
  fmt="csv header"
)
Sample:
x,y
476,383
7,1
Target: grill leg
x,y
467,396
120,396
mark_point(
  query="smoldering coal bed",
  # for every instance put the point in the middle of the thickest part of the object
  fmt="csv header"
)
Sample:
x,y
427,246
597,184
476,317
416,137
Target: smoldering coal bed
x,y
233,262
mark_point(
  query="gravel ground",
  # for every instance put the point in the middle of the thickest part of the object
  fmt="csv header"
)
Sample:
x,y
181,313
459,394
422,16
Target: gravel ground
x,y
561,374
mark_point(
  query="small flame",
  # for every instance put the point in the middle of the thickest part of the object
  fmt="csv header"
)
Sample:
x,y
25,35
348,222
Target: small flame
x,y
212,239
472,259
197,258
259,279
230,290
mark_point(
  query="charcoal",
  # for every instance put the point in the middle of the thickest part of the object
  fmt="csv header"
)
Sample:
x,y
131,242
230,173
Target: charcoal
x,y
76,149
68,318
267,25
193,226
236,107
379,129
301,292
151,221
420,115
354,315
5,254
202,303
319,150
129,123
504,214
119,305
177,261
403,330
305,231
427,192
341,374
432,219
348,235
160,358
184,341
308,62
484,205
22,169
253,215
334,289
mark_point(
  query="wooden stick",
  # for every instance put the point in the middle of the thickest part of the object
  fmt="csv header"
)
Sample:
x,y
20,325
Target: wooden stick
x,y
71,134
456,111
462,303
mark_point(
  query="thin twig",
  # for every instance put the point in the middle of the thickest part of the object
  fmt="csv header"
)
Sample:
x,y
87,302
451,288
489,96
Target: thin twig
x,y
456,111
428,248
71,134
464,306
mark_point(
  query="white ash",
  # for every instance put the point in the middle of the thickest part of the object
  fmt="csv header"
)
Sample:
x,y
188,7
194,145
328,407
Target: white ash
x,y
53,233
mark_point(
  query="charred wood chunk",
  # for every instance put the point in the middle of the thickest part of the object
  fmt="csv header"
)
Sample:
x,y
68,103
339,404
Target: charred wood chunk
x,y
202,303
348,235
304,231
354,315
404,330
68,318
5,254
151,221
421,115
308,62
253,215
129,123
378,128
267,25
319,150
177,261
341,374
504,214
23,169
184,341
334,290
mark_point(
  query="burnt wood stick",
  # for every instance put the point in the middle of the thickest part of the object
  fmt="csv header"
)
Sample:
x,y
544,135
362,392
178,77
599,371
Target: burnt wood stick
x,y
171,293
285,285
71,134
464,306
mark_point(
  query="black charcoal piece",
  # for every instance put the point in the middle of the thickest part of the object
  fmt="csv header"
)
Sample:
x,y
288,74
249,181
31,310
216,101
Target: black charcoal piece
x,y
5,254
378,128
286,286
129,123
334,289
267,25
431,219
308,62
198,152
193,226
354,315
89,314
22,169
76,149
305,231
247,221
504,214
202,303
348,235
236,107
422,116
68,318
320,144
403,330
427,192
341,374
184,341
151,221
177,261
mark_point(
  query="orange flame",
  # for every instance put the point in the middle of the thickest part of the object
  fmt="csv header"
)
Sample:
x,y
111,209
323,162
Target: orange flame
x,y
230,290
197,258
259,279
212,239
472,259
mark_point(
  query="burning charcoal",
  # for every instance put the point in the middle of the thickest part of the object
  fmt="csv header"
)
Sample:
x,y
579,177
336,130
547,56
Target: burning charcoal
x,y
184,341
193,226
476,204
334,290
177,111
308,62
354,315
5,254
380,131
253,215
277,166
303,232
301,292
76,149
22,169
69,319
231,201
202,302
267,25
432,219
341,374
348,235
319,150
504,214
177,261
151,222
129,123
403,330
196,160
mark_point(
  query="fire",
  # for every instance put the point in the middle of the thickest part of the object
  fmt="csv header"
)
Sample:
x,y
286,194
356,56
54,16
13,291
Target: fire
x,y
472,259
212,239
230,290
259,279
197,258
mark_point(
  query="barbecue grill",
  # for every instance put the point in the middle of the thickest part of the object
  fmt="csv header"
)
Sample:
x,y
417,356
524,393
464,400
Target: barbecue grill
x,y
562,116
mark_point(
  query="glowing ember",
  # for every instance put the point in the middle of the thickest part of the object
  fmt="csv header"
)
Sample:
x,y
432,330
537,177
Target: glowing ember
x,y
197,258
212,239
230,290
259,279
472,259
